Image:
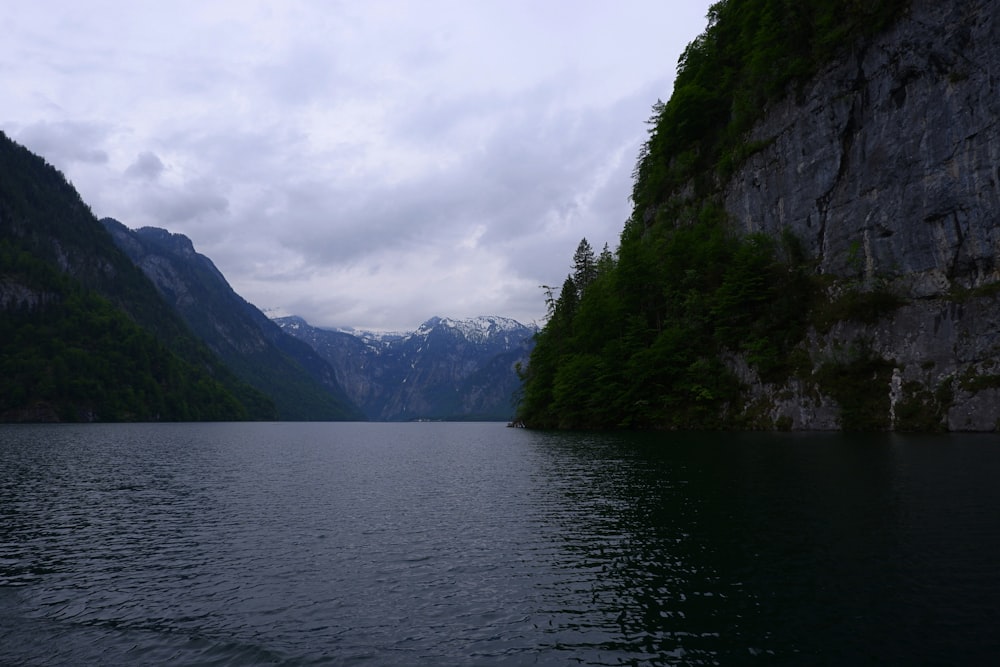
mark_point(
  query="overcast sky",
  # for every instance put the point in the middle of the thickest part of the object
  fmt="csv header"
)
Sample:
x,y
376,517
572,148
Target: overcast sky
x,y
361,163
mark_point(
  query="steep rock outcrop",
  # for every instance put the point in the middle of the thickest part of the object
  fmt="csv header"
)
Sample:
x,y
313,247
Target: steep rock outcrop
x,y
885,166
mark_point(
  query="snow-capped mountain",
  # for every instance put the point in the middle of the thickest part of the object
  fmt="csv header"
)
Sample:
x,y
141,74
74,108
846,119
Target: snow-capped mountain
x,y
486,329
446,369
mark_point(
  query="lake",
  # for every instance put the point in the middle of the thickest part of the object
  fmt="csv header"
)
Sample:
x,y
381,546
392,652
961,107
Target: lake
x,y
476,544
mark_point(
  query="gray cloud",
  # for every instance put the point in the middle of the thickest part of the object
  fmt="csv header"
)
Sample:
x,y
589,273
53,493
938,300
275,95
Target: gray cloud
x,y
192,201
66,141
361,164
146,166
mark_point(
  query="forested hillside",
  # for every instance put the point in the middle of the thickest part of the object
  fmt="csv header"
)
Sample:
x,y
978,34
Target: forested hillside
x,y
83,334
706,319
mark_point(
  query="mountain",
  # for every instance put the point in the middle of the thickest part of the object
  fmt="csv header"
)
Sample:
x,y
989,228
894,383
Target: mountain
x,y
84,335
300,383
446,369
813,243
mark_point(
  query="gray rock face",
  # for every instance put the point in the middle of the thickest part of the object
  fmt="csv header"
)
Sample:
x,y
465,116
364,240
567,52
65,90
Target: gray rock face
x,y
887,167
944,357
14,296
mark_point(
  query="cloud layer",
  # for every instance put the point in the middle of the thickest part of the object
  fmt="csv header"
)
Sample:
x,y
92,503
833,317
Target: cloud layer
x,y
366,164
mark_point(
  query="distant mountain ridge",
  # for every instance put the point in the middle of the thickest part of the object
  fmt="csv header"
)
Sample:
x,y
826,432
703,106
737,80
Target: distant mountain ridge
x,y
489,330
445,369
301,384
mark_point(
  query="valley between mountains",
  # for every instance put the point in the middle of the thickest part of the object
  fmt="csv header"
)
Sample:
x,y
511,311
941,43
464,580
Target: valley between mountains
x,y
448,369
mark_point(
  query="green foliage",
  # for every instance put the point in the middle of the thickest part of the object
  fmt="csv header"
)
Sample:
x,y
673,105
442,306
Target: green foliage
x,y
976,382
77,357
640,346
556,340
921,410
859,385
960,294
584,266
865,307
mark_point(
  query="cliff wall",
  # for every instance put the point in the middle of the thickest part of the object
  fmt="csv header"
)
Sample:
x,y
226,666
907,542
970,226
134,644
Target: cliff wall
x,y
886,166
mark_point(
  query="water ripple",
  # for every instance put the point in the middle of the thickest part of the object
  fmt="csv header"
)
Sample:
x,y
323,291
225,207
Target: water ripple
x,y
457,544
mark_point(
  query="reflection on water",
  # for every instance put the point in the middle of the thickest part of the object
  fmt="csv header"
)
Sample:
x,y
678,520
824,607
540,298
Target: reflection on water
x,y
476,544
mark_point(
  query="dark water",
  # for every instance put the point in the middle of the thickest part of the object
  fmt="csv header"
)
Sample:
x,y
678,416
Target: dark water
x,y
466,544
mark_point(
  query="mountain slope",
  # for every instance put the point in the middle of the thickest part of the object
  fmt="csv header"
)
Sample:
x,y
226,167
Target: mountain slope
x,y
300,383
447,369
814,239
85,336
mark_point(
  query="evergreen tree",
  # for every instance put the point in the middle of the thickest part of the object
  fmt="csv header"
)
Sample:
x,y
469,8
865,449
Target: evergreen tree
x,y
584,266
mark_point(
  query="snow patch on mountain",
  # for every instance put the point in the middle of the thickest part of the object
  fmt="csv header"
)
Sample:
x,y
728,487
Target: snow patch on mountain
x,y
446,369
482,329
373,338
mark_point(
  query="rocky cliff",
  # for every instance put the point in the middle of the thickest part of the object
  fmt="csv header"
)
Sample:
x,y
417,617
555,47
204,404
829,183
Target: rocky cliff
x,y
885,167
